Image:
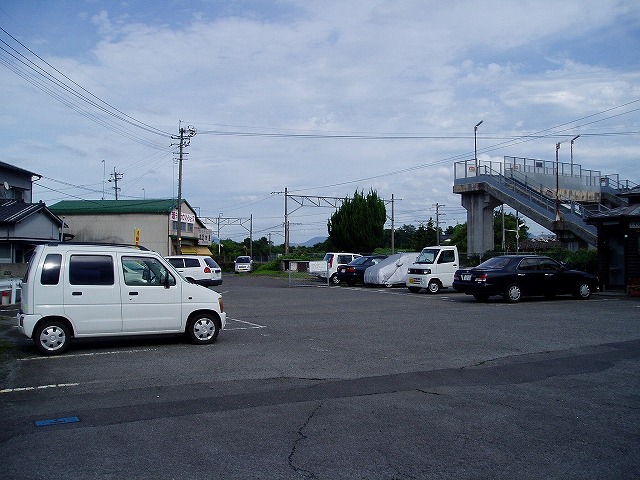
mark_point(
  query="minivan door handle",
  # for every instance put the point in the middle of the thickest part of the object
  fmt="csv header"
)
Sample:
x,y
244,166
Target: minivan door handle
x,y
76,293
133,293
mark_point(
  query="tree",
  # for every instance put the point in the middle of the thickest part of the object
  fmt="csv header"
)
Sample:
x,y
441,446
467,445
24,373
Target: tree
x,y
358,225
458,236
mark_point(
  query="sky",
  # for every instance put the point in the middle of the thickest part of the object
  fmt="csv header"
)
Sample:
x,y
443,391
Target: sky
x,y
322,98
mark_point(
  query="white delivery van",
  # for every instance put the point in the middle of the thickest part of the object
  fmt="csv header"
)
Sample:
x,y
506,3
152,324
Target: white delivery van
x,y
74,290
433,269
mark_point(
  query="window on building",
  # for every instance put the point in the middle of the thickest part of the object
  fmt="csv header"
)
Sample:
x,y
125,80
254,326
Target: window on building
x,y
5,253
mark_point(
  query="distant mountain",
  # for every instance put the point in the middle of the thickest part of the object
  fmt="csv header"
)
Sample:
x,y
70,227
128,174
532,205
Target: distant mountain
x,y
311,242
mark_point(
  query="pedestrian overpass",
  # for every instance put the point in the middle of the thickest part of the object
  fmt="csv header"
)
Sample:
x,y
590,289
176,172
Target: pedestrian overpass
x,y
557,196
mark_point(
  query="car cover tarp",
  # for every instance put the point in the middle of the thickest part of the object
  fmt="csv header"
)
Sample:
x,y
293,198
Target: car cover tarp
x,y
390,271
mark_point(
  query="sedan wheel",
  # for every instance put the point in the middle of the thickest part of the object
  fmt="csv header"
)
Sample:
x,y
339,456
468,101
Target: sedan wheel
x,y
513,294
583,292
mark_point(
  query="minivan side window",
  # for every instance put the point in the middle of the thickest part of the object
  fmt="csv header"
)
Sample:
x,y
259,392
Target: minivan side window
x,y
145,271
176,262
91,270
191,262
51,269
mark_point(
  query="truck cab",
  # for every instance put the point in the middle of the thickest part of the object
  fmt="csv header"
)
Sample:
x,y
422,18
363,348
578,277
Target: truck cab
x,y
433,269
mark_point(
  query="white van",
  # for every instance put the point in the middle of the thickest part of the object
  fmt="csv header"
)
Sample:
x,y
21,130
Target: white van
x,y
74,290
433,269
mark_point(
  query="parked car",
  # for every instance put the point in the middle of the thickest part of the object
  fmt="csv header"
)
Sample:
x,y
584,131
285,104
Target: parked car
x,y
328,266
199,269
433,269
243,264
353,272
74,290
514,276
391,271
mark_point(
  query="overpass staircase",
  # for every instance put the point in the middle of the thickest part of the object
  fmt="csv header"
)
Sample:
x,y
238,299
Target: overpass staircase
x,y
513,184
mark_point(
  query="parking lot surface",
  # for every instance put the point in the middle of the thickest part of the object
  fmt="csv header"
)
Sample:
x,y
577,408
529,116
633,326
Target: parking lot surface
x,y
338,382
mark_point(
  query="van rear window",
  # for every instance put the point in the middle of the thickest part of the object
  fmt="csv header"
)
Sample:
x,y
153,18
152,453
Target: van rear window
x,y
51,269
91,270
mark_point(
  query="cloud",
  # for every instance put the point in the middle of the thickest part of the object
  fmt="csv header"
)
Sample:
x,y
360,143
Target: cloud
x,y
376,68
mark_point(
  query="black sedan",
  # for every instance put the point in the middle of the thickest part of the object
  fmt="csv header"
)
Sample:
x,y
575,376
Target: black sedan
x,y
514,276
353,272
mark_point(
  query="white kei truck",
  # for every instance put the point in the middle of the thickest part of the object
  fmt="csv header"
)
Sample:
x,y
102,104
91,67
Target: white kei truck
x,y
433,269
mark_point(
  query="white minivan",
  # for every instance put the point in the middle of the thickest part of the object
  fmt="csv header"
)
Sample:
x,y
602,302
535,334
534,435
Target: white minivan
x,y
74,290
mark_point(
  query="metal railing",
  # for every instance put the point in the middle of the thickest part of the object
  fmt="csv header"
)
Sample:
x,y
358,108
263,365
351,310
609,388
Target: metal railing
x,y
10,291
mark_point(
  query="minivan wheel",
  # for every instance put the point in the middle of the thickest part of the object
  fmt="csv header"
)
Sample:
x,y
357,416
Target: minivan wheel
x,y
334,279
513,293
51,337
202,329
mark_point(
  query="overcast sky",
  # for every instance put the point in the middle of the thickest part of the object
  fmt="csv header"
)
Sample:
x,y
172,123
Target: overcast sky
x,y
321,97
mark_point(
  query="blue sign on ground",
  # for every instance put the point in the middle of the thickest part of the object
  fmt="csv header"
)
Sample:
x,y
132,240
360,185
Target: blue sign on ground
x,y
56,421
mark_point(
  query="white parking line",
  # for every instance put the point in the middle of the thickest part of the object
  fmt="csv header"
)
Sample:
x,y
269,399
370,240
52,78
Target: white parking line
x,y
251,325
71,355
39,387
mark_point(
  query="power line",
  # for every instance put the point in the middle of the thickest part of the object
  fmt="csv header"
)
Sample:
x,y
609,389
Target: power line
x,y
71,94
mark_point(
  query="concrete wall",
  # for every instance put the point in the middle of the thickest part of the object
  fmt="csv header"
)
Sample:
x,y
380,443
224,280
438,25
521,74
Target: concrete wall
x,y
21,186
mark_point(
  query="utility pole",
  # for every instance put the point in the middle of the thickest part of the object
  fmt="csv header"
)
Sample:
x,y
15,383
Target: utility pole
x,y
286,223
503,232
438,223
115,176
393,228
184,138
557,185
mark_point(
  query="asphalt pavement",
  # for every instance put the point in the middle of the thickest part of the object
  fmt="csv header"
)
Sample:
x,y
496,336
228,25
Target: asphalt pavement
x,y
338,382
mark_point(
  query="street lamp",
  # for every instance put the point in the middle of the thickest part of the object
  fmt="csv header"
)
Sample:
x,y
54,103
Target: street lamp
x,y
475,143
572,140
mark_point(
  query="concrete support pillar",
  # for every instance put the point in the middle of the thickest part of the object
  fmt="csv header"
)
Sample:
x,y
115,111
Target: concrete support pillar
x,y
479,206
